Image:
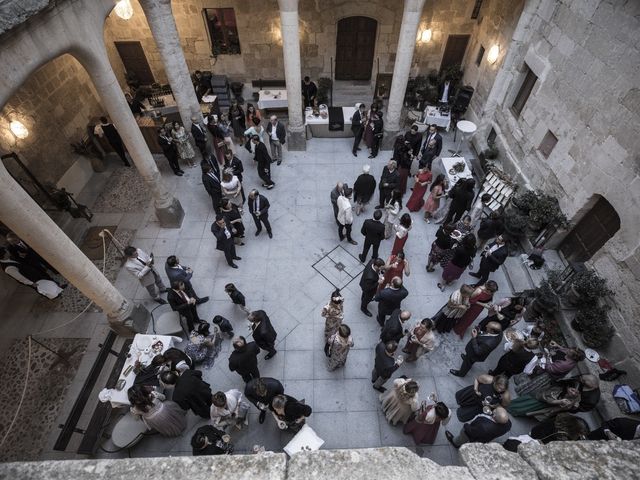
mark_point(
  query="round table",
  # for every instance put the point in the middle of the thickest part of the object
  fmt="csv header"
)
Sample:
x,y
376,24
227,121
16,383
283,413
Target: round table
x,y
466,128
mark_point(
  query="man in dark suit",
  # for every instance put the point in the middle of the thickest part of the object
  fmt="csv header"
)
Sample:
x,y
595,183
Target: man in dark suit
x,y
493,256
179,273
394,326
277,136
199,135
224,240
244,359
108,131
183,303
260,392
309,92
433,134
461,196
482,429
262,158
263,332
390,298
384,364
357,127
211,182
479,347
413,139
389,181
373,231
369,283
259,210
170,151
190,391
363,189
378,126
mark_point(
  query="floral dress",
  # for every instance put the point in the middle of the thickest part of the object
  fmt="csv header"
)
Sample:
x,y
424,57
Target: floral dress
x,y
185,149
333,314
338,350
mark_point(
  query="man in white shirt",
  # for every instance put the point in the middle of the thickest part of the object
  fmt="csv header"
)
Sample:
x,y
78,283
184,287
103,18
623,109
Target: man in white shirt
x,y
345,215
140,265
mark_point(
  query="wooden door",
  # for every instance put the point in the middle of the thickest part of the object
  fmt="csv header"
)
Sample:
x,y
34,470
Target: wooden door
x,y
135,61
454,51
591,233
355,47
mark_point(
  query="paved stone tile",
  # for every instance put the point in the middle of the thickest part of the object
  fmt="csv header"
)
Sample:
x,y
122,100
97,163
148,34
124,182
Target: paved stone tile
x,y
329,396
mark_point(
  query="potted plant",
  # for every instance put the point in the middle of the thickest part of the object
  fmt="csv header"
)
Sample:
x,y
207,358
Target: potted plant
x,y
545,302
587,288
594,325
491,152
545,210
525,201
515,225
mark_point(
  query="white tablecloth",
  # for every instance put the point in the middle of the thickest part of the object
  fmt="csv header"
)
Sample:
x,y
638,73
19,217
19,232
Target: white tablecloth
x,y
273,99
347,113
433,115
449,162
142,345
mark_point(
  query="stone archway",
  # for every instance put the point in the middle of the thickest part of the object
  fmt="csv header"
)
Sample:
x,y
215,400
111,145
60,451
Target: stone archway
x,y
355,48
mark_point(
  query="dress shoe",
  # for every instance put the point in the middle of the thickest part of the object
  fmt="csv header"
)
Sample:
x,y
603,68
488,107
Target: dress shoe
x,y
258,232
179,173
237,258
449,436
362,260
367,313
262,416
354,154
270,234
341,239
202,300
269,187
463,357
353,242
455,373
371,156
269,355
279,162
233,265
161,301
380,389
474,274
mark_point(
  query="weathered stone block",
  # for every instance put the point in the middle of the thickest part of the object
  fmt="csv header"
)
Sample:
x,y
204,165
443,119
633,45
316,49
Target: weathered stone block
x,y
492,461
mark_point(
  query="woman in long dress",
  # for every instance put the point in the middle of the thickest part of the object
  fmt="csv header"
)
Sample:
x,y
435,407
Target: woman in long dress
x,y
396,266
433,201
480,299
426,423
236,115
486,391
164,416
399,402
333,312
183,144
421,340
460,259
203,348
455,307
548,402
402,233
392,209
423,178
339,345
440,246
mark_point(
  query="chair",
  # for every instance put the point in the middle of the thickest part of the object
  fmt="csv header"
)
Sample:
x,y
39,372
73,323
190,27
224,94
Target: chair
x,y
168,323
128,431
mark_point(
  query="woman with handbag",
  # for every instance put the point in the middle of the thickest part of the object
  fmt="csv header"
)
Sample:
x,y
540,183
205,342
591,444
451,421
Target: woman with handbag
x,y
424,426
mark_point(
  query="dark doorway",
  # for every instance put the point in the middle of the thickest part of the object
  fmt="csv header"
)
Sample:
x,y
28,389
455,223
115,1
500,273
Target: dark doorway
x,y
591,233
355,46
135,61
454,51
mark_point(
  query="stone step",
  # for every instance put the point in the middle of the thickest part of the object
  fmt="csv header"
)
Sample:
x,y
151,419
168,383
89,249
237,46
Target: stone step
x,y
518,278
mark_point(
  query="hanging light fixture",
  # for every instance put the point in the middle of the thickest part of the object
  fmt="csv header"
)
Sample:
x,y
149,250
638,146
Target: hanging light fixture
x,y
124,9
18,129
494,53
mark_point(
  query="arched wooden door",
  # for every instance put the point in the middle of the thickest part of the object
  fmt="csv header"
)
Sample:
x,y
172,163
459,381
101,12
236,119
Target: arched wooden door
x,y
355,47
591,233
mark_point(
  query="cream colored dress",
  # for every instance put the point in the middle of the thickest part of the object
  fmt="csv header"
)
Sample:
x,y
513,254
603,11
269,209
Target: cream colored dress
x,y
397,404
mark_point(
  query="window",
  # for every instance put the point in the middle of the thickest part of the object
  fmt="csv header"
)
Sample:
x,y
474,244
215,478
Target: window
x,y
223,31
548,143
480,55
530,79
476,9
492,136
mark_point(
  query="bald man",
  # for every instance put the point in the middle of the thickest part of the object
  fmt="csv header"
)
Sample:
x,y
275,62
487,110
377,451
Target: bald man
x,y
482,429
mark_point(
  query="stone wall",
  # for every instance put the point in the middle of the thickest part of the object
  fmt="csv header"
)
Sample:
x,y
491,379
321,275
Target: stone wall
x,y
55,105
587,59
556,461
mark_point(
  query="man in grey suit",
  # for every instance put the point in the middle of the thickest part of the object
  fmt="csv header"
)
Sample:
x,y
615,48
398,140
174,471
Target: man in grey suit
x,y
179,273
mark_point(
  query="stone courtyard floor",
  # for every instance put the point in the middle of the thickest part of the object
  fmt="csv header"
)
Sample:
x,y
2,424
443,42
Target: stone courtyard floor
x,y
278,276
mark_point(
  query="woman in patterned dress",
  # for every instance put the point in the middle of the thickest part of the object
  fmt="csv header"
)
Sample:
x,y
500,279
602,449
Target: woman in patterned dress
x,y
339,345
185,149
333,312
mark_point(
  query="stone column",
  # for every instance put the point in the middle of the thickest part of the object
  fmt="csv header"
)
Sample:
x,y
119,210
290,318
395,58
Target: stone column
x,y
401,69
291,51
165,33
168,209
23,215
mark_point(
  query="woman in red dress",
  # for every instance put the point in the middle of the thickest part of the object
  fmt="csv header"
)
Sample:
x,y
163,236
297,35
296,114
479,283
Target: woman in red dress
x,y
396,265
438,188
426,423
423,178
402,233
479,300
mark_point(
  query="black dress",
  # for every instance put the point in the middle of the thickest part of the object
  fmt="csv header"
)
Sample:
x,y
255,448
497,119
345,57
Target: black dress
x,y
471,404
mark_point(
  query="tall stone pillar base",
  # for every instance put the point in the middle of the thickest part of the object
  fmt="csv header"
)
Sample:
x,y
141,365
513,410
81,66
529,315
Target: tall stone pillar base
x,y
133,319
171,216
297,141
388,139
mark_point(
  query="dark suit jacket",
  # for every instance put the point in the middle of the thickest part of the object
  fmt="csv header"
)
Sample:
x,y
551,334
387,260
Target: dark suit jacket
x,y
294,409
264,334
178,274
262,156
497,258
167,146
356,121
274,387
483,429
392,329
199,134
264,205
212,185
415,141
281,133
191,392
479,348
461,200
392,178
373,231
245,360
363,188
384,364
178,304
369,279
389,299
236,167
223,242
437,138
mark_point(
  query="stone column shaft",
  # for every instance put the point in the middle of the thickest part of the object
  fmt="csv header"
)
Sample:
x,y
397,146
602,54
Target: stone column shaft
x,y
289,26
165,33
402,66
23,215
168,209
